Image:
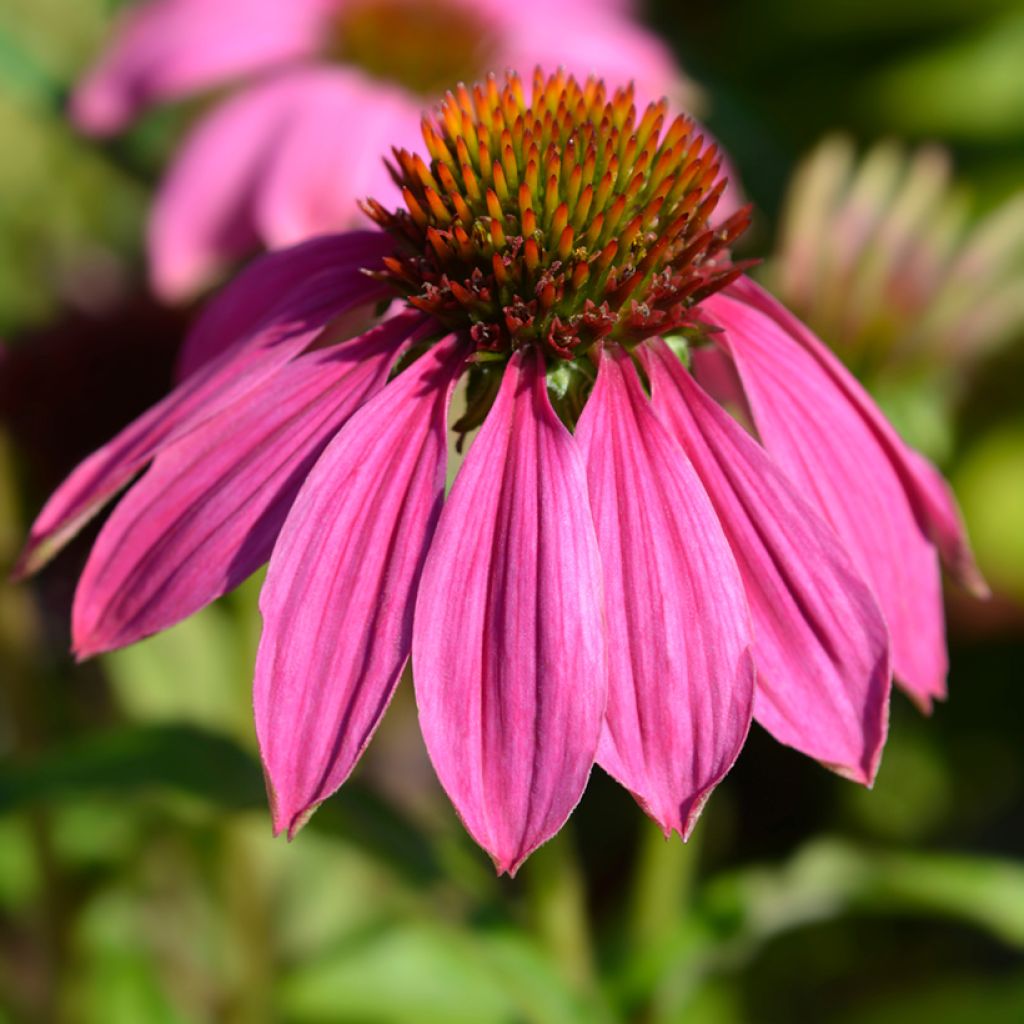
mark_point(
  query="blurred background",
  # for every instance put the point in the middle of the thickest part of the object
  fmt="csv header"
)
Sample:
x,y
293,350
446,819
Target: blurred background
x,y
882,142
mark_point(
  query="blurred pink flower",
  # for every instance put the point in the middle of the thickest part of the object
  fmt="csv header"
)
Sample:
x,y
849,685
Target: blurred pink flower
x,y
268,165
882,258
617,553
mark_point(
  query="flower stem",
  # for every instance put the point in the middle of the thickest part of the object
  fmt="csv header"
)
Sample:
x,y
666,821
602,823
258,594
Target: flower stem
x,y
663,882
558,909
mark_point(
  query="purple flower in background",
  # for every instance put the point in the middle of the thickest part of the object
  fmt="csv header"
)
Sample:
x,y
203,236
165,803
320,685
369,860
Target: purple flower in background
x,y
880,255
621,572
325,87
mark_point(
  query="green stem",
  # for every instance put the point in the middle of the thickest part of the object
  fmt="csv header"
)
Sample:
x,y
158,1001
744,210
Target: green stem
x,y
664,878
558,909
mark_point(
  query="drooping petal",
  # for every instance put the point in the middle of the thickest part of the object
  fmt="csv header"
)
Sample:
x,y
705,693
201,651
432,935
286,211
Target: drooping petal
x,y
337,604
827,449
681,675
206,514
928,493
236,310
820,641
164,49
288,328
509,654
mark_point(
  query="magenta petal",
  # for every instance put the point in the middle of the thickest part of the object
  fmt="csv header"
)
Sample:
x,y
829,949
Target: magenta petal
x,y
820,642
239,308
508,646
681,675
163,49
337,604
206,514
313,175
211,205
282,334
827,449
929,494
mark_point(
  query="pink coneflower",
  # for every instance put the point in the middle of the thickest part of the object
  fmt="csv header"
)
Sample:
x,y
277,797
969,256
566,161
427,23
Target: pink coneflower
x,y
326,85
881,257
617,554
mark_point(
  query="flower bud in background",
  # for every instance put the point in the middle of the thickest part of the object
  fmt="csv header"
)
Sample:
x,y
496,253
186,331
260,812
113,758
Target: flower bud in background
x,y
322,88
884,259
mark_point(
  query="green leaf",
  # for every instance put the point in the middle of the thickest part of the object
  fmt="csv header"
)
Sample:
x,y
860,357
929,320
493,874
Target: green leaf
x,y
178,757
213,768
829,878
431,974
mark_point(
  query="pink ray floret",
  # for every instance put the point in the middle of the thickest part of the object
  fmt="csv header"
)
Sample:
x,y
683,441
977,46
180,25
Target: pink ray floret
x,y
623,573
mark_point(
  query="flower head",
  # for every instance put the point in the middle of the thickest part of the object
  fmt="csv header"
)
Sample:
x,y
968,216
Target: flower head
x,y
878,255
272,164
621,573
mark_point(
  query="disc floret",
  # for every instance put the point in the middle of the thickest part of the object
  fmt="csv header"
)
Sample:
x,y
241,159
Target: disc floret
x,y
559,221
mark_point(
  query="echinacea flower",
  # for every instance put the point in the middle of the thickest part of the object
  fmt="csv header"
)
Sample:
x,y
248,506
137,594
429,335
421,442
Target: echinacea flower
x,y
324,86
879,256
620,574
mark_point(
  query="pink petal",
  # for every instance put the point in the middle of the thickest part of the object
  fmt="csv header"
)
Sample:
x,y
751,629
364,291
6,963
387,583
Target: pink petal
x,y
820,642
929,494
603,43
207,513
203,217
824,445
256,291
316,173
287,329
681,676
165,49
716,374
508,644
337,604
271,166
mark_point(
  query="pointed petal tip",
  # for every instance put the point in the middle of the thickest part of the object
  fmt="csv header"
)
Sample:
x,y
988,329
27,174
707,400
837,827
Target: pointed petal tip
x,y
975,584
286,816
924,702
86,644
507,865
34,555
679,821
863,774
286,821
23,567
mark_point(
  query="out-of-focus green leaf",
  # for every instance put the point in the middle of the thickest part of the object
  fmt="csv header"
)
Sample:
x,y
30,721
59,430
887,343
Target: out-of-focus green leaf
x,y
19,872
213,768
962,1001
431,975
180,757
118,979
920,411
915,792
530,975
830,878
990,483
198,672
971,88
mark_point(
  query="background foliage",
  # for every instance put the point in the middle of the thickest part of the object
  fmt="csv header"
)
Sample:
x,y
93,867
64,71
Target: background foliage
x,y
138,880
